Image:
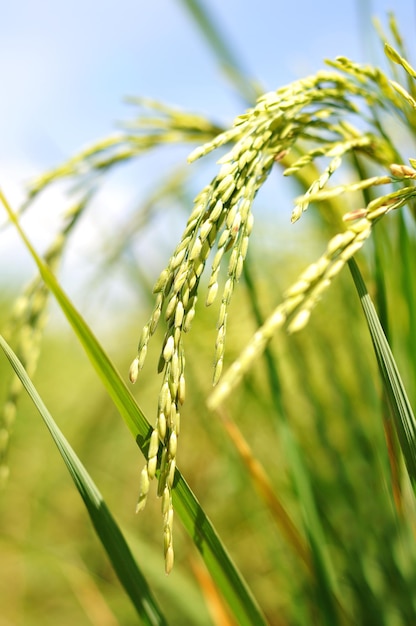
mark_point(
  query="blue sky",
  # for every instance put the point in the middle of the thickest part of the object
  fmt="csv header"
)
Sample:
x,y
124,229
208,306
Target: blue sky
x,y
66,67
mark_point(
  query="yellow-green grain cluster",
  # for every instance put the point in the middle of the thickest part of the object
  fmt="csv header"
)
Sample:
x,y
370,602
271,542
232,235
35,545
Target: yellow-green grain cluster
x,y
313,115
300,299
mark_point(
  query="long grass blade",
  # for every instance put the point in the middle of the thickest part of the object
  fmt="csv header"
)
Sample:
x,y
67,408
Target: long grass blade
x,y
406,243
104,523
401,410
228,579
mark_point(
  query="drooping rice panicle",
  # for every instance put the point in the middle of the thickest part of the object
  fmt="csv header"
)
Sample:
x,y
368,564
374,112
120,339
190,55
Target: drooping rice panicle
x,y
336,153
309,111
300,299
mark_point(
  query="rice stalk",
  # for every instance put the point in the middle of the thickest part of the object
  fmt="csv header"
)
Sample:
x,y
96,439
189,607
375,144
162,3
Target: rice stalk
x,y
309,110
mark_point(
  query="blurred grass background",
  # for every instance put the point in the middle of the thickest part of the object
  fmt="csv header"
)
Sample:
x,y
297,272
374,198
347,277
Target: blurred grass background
x,y
53,569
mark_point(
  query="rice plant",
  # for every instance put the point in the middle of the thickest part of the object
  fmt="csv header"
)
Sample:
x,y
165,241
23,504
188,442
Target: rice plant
x,y
297,448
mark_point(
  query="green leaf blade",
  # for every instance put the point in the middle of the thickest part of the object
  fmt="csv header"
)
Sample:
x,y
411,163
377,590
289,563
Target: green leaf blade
x,y
401,409
105,525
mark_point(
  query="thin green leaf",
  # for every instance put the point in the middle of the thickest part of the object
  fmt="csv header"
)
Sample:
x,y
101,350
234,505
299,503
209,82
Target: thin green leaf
x,y
105,525
407,249
399,404
223,571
